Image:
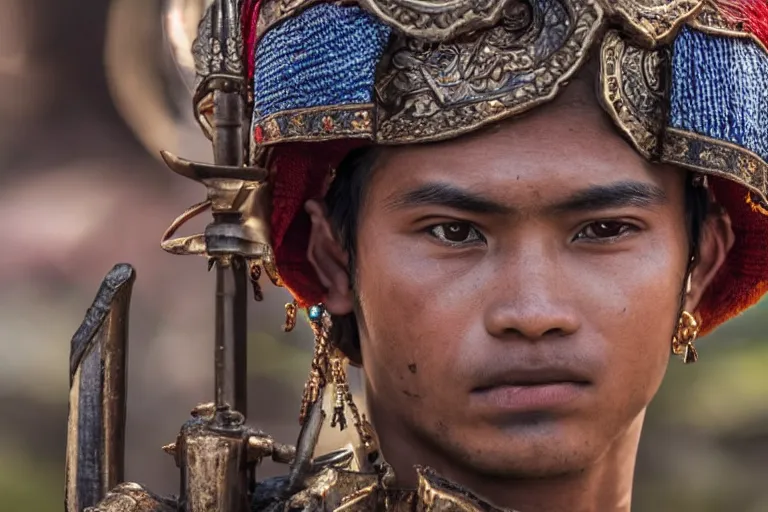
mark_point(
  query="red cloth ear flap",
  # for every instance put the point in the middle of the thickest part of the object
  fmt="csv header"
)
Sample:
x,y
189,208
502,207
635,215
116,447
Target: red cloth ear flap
x,y
301,172
743,278
249,17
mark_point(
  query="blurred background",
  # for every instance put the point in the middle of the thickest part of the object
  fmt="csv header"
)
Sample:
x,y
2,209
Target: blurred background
x,y
88,95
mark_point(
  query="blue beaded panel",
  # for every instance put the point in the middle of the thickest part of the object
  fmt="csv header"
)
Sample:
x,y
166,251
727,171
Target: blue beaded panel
x,y
327,55
720,89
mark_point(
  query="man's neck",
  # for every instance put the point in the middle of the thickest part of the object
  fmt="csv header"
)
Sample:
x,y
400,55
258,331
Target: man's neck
x,y
604,487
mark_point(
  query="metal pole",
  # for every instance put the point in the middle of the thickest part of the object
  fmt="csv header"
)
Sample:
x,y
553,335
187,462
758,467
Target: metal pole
x,y
231,333
231,351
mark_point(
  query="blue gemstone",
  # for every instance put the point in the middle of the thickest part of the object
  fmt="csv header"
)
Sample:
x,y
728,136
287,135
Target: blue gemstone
x,y
316,312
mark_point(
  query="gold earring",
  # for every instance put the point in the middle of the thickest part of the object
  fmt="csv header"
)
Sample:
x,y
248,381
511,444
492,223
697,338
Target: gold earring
x,y
682,342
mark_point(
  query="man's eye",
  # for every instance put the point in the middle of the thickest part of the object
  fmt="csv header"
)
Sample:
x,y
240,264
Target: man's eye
x,y
604,230
456,233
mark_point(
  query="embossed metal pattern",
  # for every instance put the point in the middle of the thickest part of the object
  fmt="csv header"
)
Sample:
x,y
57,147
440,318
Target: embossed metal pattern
x,y
632,89
131,497
216,55
436,494
433,92
714,156
316,124
273,12
437,20
652,22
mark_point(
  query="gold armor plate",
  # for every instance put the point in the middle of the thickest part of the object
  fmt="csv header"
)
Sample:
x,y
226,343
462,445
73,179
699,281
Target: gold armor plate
x,y
432,92
652,22
718,158
633,91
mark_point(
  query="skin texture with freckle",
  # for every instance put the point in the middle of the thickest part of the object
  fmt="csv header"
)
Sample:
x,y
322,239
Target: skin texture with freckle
x,y
531,286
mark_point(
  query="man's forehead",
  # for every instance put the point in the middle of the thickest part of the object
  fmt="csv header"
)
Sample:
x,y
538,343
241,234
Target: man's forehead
x,y
553,146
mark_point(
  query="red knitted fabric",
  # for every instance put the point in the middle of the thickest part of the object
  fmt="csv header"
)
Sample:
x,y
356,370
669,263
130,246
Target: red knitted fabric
x,y
753,14
743,279
249,17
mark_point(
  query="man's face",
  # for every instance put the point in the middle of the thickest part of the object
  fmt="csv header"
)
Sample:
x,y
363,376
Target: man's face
x,y
518,290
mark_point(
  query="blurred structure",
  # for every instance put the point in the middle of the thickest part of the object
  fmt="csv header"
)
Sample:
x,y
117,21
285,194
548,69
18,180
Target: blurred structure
x,y
87,97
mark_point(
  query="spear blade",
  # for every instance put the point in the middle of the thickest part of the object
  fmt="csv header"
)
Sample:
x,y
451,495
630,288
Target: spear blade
x,y
96,432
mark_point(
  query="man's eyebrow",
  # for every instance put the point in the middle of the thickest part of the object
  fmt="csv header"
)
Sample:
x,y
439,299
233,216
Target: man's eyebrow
x,y
615,195
440,194
595,197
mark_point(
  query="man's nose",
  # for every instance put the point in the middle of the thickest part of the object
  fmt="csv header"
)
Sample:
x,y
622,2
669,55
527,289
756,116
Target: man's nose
x,y
532,298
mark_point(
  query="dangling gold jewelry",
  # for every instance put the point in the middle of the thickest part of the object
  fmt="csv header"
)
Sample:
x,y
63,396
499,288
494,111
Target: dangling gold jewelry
x,y
329,367
682,342
290,316
254,272
320,321
340,391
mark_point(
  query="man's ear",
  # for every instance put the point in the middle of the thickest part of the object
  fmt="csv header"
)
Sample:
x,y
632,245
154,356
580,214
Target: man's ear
x,y
717,239
329,260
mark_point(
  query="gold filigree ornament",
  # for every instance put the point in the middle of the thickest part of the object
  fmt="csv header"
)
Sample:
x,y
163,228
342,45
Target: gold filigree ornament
x,y
717,158
438,91
683,340
436,494
632,90
652,22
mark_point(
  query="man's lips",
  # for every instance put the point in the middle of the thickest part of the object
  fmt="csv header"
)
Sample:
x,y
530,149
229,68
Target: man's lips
x,y
530,390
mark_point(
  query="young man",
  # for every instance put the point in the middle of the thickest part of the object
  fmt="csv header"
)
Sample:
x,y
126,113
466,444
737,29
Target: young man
x,y
516,292
508,214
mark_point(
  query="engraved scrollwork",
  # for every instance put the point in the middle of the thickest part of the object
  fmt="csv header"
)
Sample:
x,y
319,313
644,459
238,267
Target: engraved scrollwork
x,y
437,91
218,47
128,497
719,158
316,124
437,20
632,89
652,22
272,12
234,49
435,493
201,48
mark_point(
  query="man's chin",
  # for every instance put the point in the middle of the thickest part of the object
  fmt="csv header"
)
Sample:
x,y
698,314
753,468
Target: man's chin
x,y
533,446
524,456
517,466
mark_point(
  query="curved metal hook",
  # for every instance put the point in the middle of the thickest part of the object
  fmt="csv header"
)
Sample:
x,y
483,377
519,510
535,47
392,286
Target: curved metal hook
x,y
194,244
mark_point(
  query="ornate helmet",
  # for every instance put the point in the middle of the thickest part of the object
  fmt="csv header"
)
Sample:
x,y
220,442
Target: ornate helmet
x,y
683,80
